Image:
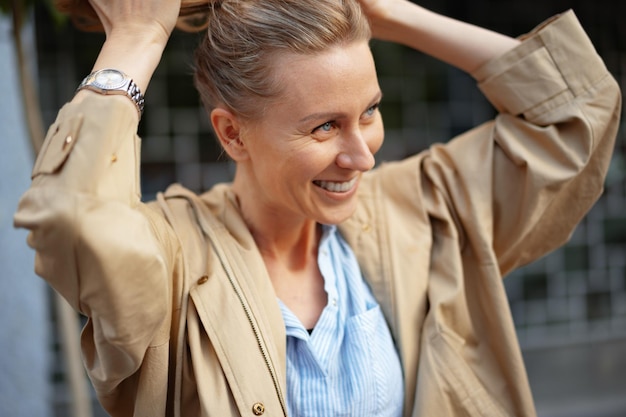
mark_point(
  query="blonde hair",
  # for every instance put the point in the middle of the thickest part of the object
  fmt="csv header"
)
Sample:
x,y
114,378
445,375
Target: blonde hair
x,y
233,63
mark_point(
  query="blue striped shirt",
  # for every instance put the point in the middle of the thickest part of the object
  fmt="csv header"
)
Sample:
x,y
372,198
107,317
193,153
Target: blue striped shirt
x,y
348,365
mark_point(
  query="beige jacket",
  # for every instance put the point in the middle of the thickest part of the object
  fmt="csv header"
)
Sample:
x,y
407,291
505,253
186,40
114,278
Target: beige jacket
x,y
183,320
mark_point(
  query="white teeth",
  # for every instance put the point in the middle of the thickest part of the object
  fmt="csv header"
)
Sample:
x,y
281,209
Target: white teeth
x,y
336,187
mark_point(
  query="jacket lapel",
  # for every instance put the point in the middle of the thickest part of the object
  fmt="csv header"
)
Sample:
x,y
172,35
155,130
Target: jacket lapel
x,y
235,302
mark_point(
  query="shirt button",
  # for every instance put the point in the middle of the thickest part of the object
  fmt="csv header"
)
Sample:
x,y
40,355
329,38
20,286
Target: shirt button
x,y
202,279
334,302
258,409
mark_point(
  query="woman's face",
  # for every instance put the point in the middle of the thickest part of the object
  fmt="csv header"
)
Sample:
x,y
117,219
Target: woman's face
x,y
306,154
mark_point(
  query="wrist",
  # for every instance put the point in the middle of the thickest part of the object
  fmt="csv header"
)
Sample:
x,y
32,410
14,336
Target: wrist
x,y
135,51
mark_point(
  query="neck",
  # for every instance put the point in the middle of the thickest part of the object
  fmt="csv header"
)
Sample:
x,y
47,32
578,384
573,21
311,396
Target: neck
x,y
285,238
293,248
288,243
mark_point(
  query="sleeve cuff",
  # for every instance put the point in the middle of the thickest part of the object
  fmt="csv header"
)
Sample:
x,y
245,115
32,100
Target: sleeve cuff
x,y
553,63
92,148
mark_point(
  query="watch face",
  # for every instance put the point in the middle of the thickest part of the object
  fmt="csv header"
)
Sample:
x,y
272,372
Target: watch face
x,y
109,79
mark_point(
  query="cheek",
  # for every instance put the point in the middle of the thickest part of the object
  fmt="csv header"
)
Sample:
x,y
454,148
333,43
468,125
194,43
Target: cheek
x,y
376,136
295,166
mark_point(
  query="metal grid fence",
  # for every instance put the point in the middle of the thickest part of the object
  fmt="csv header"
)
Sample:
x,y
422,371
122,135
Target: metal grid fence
x,y
576,294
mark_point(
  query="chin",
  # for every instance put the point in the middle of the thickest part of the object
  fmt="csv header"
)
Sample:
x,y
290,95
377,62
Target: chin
x,y
337,216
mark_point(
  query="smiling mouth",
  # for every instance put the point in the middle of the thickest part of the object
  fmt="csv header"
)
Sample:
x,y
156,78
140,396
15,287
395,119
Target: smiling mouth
x,y
336,187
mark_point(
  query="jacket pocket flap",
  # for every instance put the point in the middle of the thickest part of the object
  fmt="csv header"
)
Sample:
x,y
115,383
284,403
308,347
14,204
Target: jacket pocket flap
x,y
59,142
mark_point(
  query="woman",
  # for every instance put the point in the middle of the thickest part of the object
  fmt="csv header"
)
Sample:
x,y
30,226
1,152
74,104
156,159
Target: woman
x,y
249,299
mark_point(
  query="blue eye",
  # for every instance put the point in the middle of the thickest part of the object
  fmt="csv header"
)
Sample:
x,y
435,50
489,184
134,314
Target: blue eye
x,y
371,110
325,128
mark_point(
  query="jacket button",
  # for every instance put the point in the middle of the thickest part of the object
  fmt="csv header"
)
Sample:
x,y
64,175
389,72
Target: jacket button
x,y
258,409
67,141
202,279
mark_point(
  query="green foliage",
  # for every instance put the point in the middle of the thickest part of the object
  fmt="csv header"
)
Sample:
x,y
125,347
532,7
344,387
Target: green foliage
x,y
7,6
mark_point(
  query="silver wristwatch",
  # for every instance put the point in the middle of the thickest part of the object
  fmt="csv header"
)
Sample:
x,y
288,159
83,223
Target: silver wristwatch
x,y
112,81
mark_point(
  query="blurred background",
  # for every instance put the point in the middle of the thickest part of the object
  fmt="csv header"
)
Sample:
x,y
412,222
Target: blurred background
x,y
569,307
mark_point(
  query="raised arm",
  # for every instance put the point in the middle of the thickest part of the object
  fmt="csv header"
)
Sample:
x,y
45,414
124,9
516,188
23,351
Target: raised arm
x,y
460,44
531,174
96,244
136,35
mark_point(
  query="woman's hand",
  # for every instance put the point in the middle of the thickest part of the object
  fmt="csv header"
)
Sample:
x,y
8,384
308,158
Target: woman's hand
x,y
137,32
152,18
380,14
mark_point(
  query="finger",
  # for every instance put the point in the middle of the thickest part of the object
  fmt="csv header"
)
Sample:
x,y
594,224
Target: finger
x,y
102,15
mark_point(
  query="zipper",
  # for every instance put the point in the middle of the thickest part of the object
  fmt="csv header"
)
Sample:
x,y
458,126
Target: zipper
x,y
208,231
257,335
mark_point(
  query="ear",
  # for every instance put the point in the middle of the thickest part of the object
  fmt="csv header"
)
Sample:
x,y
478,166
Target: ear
x,y
227,128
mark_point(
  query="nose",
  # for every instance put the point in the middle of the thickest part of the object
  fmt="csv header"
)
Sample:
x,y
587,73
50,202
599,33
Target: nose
x,y
355,153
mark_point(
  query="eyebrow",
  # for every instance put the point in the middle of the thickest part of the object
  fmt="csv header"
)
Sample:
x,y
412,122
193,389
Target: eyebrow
x,y
336,115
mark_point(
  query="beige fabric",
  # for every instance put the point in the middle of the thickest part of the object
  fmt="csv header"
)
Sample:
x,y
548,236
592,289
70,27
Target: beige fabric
x,y
182,317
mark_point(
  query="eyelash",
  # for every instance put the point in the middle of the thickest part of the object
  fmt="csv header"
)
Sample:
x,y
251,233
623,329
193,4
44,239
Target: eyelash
x,y
369,113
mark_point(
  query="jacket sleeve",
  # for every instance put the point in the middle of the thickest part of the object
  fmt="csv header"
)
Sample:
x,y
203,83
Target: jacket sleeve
x,y
95,243
528,177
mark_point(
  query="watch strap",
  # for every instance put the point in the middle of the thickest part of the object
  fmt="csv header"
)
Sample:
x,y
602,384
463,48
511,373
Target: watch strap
x,y
135,95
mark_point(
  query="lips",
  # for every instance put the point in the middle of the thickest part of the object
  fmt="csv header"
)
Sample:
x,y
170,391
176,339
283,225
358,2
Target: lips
x,y
336,187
